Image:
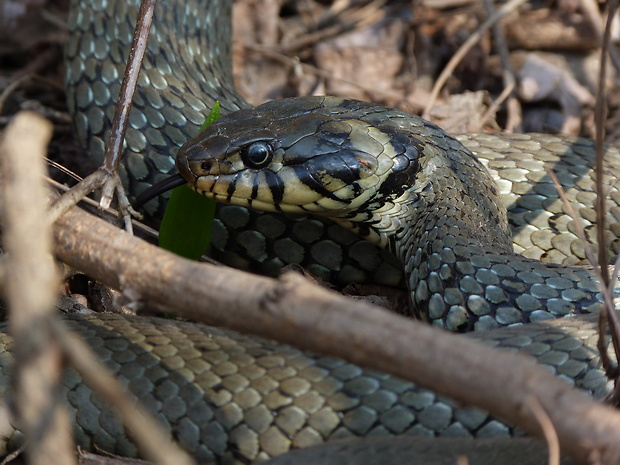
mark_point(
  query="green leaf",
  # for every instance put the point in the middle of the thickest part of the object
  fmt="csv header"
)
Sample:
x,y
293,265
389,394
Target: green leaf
x,y
188,220
214,115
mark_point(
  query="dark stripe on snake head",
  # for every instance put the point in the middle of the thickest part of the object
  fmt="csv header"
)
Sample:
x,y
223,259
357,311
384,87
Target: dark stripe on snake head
x,y
406,165
315,172
255,189
276,186
232,187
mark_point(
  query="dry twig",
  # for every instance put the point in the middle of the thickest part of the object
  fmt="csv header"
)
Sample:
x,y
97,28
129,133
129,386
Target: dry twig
x,y
107,176
31,291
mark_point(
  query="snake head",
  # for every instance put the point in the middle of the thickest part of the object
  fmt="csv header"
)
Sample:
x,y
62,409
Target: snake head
x,y
323,155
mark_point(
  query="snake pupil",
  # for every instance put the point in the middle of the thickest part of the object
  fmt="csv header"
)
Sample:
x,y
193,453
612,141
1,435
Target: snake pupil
x,y
257,155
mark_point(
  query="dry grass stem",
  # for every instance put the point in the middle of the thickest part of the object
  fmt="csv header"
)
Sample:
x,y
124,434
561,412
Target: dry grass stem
x,y
152,441
466,47
344,20
489,114
8,90
288,61
551,435
513,110
607,291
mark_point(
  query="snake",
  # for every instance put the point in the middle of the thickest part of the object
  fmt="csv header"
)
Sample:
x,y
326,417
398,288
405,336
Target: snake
x,y
391,198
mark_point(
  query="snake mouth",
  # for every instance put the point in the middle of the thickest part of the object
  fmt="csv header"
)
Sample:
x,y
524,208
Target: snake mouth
x,y
184,176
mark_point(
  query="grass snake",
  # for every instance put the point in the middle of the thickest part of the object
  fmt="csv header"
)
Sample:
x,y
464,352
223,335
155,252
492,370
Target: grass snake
x,y
230,398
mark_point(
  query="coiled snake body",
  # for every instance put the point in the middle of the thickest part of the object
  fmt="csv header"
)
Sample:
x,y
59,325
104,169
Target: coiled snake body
x,y
399,181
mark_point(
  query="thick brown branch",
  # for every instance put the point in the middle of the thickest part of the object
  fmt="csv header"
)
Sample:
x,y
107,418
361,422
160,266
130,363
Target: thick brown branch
x,y
296,312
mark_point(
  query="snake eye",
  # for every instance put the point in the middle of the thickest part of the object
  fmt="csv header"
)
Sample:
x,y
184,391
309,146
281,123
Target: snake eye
x,y
257,154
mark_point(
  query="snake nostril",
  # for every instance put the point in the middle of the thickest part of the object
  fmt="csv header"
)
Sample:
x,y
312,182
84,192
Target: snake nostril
x,y
205,166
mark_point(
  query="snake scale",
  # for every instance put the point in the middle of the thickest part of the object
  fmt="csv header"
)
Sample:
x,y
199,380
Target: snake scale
x,y
230,398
